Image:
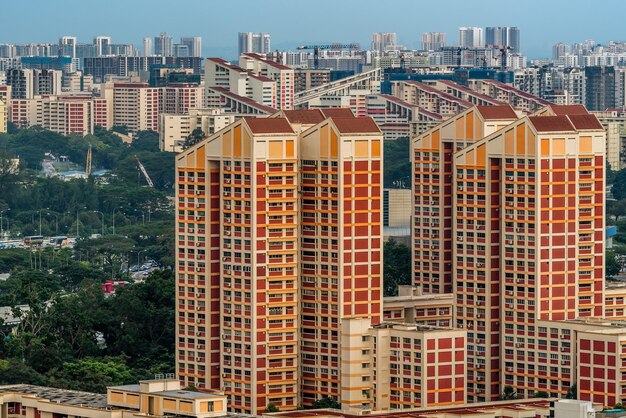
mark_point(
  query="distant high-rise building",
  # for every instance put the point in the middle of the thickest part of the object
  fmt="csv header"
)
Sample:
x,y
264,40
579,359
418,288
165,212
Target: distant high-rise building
x,y
181,50
103,45
163,45
382,41
559,50
470,37
147,47
27,83
600,87
503,36
258,43
194,43
67,46
433,41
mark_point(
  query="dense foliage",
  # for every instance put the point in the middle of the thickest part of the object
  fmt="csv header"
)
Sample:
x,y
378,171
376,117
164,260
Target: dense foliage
x,y
81,340
397,165
396,267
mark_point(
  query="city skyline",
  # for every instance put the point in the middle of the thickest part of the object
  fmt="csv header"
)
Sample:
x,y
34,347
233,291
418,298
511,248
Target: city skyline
x,y
539,30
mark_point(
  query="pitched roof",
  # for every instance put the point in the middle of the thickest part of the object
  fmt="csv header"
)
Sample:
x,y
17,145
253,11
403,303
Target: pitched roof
x,y
552,123
499,112
569,110
269,125
585,122
305,116
338,112
355,125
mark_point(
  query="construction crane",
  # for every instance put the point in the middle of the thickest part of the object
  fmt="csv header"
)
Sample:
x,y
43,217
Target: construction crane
x,y
317,48
504,52
144,172
88,165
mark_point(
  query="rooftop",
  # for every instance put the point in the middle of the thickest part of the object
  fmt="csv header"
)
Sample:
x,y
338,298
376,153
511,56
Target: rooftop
x,y
269,125
569,109
65,396
306,116
552,124
586,122
500,112
355,125
338,112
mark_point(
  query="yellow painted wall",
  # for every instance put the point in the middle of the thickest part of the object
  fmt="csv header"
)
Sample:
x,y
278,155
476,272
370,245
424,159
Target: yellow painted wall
x,y
185,406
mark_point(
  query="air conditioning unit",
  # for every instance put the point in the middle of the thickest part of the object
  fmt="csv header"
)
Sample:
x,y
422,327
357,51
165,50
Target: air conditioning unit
x,y
563,362
509,305
224,258
198,269
509,242
509,178
518,345
226,232
227,181
478,379
227,220
198,218
226,193
479,316
199,257
226,362
224,375
478,303
518,280
198,191
227,245
227,324
509,369
198,295
434,257
198,308
563,349
198,321
198,244
198,334
479,265
518,229
460,188
227,350
434,169
227,311
227,284
459,238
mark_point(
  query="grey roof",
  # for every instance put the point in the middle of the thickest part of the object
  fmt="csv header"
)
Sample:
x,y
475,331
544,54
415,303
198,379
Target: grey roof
x,y
65,396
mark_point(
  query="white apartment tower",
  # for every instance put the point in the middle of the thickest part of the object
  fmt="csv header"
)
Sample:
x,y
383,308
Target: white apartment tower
x,y
433,41
381,41
470,37
255,42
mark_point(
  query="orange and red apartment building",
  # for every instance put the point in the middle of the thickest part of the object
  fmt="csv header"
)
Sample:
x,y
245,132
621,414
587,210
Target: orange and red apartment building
x,y
509,217
279,272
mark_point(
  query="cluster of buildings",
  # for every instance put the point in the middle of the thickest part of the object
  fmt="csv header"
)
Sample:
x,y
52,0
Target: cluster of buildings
x,y
279,257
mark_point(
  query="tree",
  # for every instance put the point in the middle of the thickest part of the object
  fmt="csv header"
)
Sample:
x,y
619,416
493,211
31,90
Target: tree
x,y
326,403
508,393
397,163
612,265
618,405
92,375
13,371
194,137
120,129
541,394
271,407
572,392
111,248
397,267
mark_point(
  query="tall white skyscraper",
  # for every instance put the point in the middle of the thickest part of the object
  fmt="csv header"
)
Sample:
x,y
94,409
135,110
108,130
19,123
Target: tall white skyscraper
x,y
470,37
163,45
67,46
194,43
147,46
503,36
433,41
381,41
257,42
103,45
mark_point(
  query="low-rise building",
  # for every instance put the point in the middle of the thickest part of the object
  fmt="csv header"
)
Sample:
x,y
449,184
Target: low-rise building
x,y
413,306
174,129
156,398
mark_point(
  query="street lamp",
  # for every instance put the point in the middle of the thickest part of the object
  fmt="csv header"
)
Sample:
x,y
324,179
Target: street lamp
x,y
114,209
1,223
56,220
97,211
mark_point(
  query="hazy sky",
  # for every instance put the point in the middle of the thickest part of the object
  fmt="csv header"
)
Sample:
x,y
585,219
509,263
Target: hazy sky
x,y
293,22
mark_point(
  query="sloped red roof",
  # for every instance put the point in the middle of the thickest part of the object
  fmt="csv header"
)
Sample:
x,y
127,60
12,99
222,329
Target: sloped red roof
x,y
585,122
499,112
552,124
356,125
269,125
569,109
338,112
305,116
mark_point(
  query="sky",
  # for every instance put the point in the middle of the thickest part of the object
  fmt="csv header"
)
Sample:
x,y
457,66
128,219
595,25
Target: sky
x,y
294,22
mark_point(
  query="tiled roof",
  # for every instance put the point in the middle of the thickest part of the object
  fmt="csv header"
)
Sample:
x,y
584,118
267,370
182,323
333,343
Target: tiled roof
x,y
305,116
269,125
552,124
267,61
501,112
356,125
338,112
585,122
569,110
